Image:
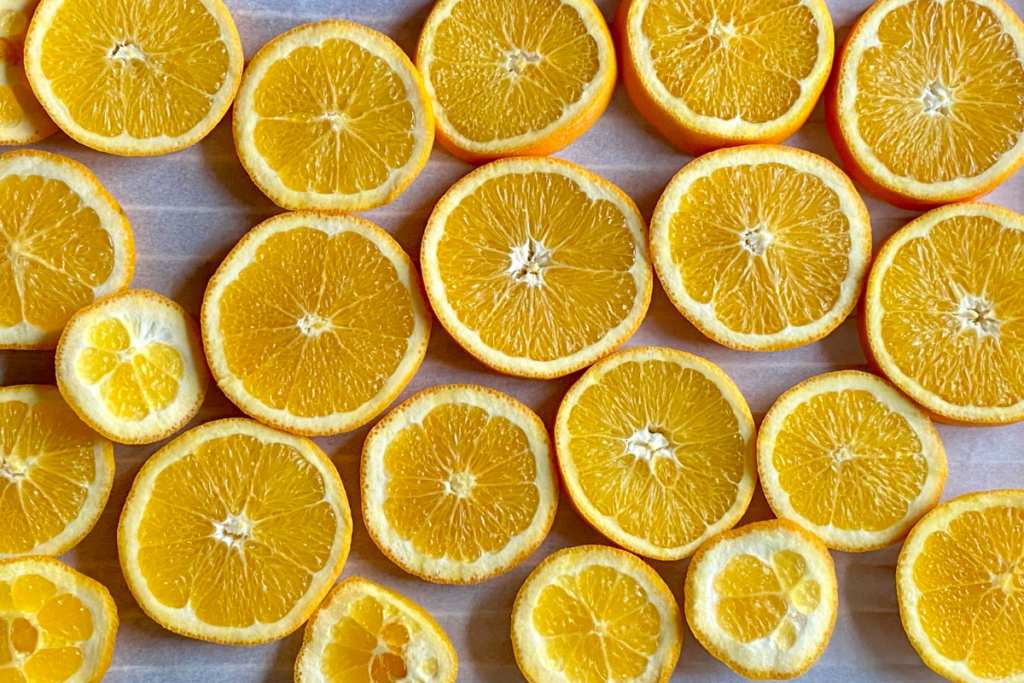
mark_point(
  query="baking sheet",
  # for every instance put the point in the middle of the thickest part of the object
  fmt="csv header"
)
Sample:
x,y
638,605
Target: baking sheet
x,y
189,208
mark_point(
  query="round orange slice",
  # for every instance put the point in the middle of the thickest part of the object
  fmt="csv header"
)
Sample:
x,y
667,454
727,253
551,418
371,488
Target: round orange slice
x,y
22,118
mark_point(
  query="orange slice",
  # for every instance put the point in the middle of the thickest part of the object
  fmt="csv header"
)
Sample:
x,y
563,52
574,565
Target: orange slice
x,y
314,323
365,633
943,317
515,77
656,449
458,484
848,457
927,104
234,532
22,118
593,614
64,242
762,247
762,599
55,624
332,116
536,266
724,72
131,365
960,579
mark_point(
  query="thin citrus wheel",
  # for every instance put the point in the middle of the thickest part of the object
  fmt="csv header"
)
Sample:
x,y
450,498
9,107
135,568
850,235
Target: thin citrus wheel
x,y
55,473
64,242
592,614
762,247
315,323
851,459
234,532
458,484
134,77
537,267
55,624
656,450
926,106
517,77
959,579
131,365
22,118
763,599
943,317
364,633
724,72
332,116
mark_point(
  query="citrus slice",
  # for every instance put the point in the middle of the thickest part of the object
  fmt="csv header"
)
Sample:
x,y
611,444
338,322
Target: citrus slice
x,y
927,106
365,633
55,624
762,599
848,457
517,77
536,266
332,116
134,77
234,532
762,247
55,473
131,365
64,242
458,484
22,118
724,72
960,581
943,318
314,323
593,614
656,449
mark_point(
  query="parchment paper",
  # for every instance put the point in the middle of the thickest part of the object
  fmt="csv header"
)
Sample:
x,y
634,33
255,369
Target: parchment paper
x,y
189,208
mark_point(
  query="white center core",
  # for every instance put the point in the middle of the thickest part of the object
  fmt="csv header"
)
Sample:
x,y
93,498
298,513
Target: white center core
x,y
461,484
756,239
976,315
724,32
233,531
337,119
311,324
13,471
843,453
516,61
528,261
645,444
936,99
125,52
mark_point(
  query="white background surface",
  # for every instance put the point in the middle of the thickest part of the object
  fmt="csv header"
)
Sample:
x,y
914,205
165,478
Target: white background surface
x,y
189,208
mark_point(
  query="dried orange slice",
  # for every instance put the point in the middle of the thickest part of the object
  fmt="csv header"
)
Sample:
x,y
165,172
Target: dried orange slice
x,y
55,473
131,365
927,105
458,484
365,633
315,323
656,449
515,77
593,614
848,457
64,242
762,247
55,624
22,118
762,599
332,116
234,532
943,317
537,267
724,72
134,77
959,579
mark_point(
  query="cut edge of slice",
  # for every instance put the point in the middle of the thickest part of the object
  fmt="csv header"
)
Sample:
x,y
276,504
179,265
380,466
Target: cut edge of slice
x,y
607,526
241,255
579,117
700,613
846,539
183,621
99,490
870,321
373,485
697,134
525,643
317,635
702,315
245,118
35,123
468,339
